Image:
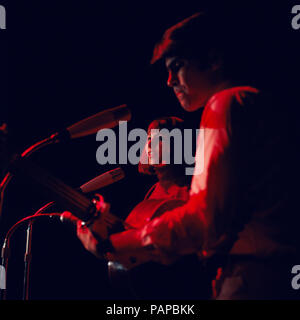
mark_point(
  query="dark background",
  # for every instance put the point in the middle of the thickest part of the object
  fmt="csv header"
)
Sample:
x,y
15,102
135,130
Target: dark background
x,y
62,61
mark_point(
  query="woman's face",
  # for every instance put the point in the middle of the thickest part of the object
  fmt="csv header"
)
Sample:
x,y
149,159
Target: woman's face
x,y
158,152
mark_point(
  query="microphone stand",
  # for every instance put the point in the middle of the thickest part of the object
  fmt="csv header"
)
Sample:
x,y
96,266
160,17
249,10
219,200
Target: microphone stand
x,y
90,125
27,261
5,252
4,183
28,254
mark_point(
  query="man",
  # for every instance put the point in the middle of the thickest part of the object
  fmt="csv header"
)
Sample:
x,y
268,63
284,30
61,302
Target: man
x,y
238,212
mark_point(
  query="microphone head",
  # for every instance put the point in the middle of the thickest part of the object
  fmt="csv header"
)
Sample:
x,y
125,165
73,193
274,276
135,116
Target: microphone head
x,y
103,180
105,119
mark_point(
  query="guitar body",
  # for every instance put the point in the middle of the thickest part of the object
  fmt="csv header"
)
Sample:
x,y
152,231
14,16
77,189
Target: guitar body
x,y
149,209
183,279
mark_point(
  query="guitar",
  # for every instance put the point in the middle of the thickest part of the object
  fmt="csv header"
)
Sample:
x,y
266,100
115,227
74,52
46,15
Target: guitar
x,y
153,277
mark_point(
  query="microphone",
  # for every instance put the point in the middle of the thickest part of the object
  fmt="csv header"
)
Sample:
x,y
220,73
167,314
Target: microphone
x,y
103,180
105,119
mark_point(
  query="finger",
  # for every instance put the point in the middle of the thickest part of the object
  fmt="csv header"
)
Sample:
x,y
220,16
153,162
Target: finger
x,y
69,217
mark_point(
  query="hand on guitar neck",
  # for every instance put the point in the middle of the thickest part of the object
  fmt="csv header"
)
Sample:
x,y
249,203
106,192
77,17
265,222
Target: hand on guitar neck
x,y
95,237
97,231
110,238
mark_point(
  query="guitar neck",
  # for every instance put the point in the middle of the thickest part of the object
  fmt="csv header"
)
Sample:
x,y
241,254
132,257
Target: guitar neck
x,y
71,199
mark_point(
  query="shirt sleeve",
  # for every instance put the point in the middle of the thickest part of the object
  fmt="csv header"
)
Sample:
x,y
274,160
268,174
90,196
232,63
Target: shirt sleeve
x,y
202,224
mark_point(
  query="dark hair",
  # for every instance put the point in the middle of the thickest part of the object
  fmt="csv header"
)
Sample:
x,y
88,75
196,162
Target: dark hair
x,y
237,39
194,37
166,123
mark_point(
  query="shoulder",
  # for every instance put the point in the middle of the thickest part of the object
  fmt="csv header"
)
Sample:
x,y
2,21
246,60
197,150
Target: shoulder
x,y
233,96
222,105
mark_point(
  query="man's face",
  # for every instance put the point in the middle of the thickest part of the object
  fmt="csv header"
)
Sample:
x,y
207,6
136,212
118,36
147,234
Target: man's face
x,y
192,86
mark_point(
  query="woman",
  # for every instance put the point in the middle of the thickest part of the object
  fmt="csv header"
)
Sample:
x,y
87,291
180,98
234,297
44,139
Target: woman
x,y
185,278
172,186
